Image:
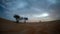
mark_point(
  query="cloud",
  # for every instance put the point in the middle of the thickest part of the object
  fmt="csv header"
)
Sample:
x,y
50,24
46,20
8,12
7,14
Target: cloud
x,y
29,8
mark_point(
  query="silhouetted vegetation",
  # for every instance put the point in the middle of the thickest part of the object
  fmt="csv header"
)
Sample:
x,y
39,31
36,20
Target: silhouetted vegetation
x,y
25,19
17,17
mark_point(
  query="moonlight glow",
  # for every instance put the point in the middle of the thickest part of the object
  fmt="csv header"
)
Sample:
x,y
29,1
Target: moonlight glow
x,y
42,15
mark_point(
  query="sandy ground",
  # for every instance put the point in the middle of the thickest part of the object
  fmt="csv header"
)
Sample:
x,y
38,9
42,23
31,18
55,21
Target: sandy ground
x,y
9,27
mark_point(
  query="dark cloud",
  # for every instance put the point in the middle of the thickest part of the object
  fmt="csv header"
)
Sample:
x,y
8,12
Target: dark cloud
x,y
29,8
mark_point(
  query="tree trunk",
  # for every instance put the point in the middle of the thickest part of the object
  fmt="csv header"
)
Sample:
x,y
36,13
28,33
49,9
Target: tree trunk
x,y
24,21
17,20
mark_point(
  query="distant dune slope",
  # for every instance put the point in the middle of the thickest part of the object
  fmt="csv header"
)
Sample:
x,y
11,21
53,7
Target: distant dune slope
x,y
9,27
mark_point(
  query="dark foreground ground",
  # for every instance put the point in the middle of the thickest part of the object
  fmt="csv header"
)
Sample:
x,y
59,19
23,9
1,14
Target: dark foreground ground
x,y
9,27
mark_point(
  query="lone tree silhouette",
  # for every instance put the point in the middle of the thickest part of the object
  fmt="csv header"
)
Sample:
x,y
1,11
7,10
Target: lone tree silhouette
x,y
25,19
17,17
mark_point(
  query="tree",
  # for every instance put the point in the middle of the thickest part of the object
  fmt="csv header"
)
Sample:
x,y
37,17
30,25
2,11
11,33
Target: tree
x,y
17,17
25,19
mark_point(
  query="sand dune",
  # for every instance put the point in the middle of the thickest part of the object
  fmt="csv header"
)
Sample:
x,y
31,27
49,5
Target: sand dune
x,y
10,27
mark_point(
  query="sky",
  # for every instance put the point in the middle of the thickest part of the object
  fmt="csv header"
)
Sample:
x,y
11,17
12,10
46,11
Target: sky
x,y
35,10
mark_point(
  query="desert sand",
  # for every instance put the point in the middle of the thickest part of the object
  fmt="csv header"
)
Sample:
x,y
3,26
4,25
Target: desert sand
x,y
10,27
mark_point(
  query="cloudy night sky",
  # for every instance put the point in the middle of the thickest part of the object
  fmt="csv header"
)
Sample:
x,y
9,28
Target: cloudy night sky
x,y
35,10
